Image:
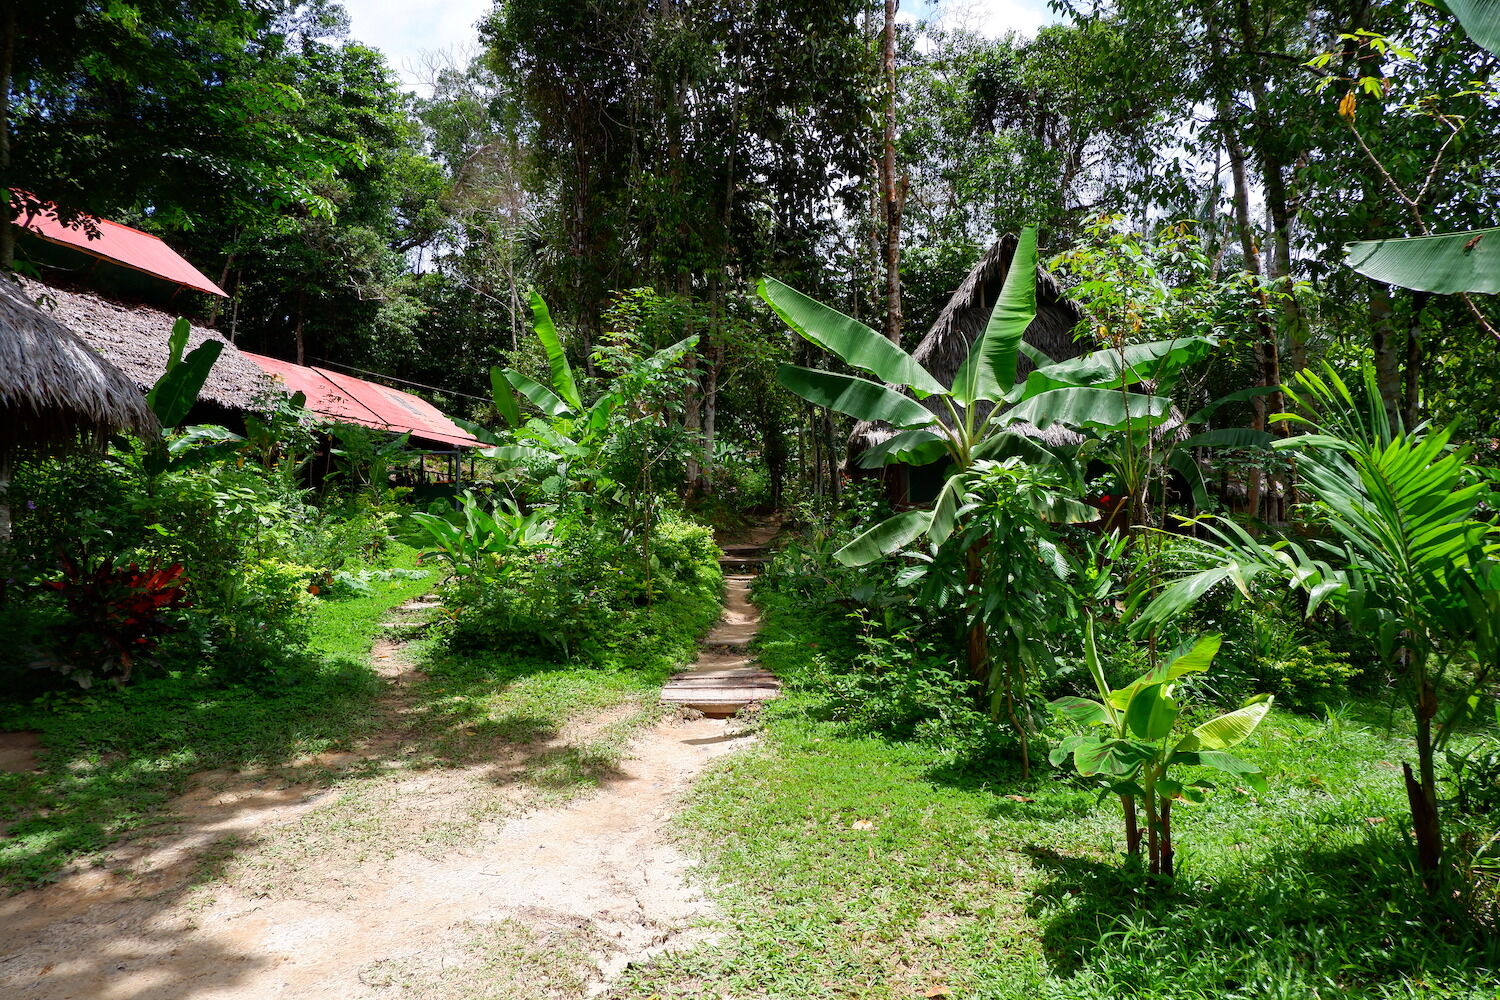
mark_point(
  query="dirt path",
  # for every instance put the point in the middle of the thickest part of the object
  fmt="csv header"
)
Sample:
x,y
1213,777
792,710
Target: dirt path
x,y
270,888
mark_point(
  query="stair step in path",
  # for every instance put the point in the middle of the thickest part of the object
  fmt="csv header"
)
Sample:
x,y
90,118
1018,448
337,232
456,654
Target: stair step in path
x,y
725,679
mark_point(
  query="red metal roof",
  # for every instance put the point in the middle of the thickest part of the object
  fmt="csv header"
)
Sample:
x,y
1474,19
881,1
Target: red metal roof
x,y
351,400
124,246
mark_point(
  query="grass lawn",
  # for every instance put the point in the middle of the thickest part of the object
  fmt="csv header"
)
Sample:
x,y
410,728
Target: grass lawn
x,y
852,866
112,759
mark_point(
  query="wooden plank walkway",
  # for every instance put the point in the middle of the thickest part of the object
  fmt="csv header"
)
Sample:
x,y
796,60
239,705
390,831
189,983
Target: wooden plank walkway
x,y
725,677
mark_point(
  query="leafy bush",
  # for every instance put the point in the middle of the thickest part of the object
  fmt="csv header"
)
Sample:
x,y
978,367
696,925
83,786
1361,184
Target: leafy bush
x,y
587,588
117,617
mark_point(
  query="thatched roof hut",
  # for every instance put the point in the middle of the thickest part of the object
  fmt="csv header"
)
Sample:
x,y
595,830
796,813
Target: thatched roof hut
x,y
135,339
964,318
55,390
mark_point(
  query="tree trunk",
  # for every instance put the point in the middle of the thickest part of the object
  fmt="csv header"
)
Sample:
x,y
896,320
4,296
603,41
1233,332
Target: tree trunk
x,y
1412,395
1132,826
890,188
1421,792
1168,855
1389,348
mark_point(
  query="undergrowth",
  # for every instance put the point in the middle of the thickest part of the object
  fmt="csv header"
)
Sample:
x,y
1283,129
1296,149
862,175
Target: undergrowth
x,y
851,863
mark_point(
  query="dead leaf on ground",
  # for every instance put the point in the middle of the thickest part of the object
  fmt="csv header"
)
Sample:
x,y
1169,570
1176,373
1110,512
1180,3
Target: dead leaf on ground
x,y
1020,798
938,991
862,824
1374,820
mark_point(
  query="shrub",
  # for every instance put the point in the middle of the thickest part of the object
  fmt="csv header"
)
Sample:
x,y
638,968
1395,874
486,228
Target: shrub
x,y
117,618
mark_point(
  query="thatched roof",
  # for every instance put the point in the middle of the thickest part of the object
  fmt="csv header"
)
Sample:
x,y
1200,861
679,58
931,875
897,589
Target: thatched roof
x,y
964,318
54,389
135,338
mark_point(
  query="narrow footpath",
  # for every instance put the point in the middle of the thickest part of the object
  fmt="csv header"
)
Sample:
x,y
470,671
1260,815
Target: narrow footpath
x,y
544,902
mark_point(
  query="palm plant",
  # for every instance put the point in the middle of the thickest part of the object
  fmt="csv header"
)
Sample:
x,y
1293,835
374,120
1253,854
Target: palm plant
x,y
1402,553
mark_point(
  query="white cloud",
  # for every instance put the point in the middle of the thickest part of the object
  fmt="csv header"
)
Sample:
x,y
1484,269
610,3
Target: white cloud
x,y
406,30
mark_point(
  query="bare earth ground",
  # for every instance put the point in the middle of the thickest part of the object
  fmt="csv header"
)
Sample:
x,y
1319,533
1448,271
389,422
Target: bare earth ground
x,y
356,876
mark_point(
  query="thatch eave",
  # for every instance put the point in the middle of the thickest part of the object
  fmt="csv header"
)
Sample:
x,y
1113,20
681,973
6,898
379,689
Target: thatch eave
x,y
56,391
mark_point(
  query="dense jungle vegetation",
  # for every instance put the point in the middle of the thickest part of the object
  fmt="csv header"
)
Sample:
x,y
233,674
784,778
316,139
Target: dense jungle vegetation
x,y
1182,680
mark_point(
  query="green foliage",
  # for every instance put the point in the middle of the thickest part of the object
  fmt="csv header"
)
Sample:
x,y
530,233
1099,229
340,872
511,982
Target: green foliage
x,y
1134,755
176,391
584,592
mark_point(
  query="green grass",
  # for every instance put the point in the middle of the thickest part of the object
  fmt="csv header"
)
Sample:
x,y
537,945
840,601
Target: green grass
x,y
113,759
848,865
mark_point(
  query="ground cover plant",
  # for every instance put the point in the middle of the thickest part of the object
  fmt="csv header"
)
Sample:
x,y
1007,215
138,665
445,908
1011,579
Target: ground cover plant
x,y
852,862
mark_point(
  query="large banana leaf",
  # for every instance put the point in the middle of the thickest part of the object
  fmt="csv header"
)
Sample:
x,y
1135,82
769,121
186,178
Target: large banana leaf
x,y
1455,262
505,398
545,399
1230,437
1086,407
557,360
1107,369
1227,730
859,346
914,447
891,535
1480,18
989,372
177,390
859,398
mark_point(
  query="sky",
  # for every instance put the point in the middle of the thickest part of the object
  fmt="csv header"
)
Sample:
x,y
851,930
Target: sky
x,y
407,30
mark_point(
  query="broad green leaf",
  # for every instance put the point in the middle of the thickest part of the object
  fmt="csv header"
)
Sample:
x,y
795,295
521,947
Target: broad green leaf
x,y
1109,369
890,535
945,510
481,433
544,398
913,447
859,398
1229,437
858,345
1001,445
1087,407
516,453
174,394
1083,711
1117,757
1227,730
1234,397
1220,761
1480,18
989,372
1151,714
557,360
1453,262
1198,658
505,398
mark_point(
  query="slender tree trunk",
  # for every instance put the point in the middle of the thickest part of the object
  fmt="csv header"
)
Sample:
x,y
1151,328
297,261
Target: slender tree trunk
x,y
1412,395
1421,791
1132,826
1168,855
301,347
891,190
1389,348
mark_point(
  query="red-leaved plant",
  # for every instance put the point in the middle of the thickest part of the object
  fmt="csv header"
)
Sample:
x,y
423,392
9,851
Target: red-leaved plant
x,y
117,617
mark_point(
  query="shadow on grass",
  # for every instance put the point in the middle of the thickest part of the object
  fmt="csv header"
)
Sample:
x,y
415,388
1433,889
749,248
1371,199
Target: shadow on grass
x,y
1349,918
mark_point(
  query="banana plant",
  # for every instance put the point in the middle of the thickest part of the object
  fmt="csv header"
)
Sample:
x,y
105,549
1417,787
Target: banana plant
x,y
566,432
974,418
1132,744
474,542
